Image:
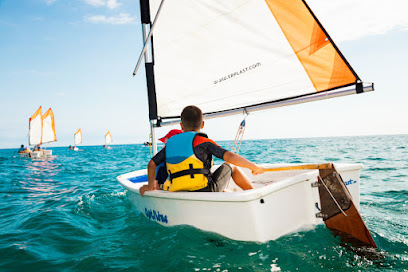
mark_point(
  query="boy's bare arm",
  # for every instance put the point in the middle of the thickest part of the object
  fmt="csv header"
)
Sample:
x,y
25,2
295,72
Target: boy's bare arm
x,y
152,184
238,160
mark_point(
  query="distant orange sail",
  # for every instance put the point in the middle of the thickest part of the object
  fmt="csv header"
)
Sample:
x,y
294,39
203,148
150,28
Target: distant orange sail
x,y
108,138
48,127
78,137
35,128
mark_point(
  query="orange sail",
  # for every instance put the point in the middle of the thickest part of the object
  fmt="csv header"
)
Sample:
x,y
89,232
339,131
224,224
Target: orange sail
x,y
35,128
48,127
108,138
322,61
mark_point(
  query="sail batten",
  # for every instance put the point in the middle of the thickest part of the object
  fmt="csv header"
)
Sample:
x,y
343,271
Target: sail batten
x,y
238,53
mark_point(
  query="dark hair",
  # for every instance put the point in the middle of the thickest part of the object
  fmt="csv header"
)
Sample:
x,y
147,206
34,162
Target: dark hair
x,y
192,118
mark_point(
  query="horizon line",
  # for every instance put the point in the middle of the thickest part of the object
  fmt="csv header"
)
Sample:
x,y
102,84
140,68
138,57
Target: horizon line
x,y
288,138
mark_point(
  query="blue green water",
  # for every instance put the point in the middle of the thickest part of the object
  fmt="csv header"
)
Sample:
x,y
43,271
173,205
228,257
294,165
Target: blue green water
x,y
68,213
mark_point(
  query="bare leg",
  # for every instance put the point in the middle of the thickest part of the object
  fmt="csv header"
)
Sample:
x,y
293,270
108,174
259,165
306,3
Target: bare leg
x,y
240,178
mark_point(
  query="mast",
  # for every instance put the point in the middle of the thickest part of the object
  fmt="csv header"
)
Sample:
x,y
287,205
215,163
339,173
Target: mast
x,y
149,67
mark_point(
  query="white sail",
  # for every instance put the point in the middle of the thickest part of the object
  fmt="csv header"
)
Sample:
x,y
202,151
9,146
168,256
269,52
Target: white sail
x,y
35,128
224,55
48,127
108,138
78,137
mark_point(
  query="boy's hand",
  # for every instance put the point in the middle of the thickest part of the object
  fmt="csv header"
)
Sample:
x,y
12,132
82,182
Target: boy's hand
x,y
145,188
258,170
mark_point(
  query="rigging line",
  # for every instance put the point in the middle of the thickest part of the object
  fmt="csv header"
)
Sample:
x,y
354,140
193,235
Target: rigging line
x,y
335,201
240,134
240,141
146,42
244,121
234,145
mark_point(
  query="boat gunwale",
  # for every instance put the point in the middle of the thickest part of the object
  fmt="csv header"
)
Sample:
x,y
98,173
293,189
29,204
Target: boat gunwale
x,y
241,196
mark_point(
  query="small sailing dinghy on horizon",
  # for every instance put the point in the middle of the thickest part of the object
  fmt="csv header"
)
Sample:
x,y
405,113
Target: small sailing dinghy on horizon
x,y
239,56
41,131
77,139
108,140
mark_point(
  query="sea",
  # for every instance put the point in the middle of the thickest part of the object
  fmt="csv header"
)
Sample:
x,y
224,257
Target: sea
x,y
68,213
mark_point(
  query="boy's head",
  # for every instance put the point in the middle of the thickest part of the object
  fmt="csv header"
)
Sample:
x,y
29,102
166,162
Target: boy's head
x,y
191,119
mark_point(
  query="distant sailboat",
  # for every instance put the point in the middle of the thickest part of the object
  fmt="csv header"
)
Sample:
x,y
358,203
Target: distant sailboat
x,y
77,139
41,131
108,140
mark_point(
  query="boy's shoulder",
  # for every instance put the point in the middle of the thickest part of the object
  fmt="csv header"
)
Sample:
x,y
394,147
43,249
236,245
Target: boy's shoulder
x,y
202,138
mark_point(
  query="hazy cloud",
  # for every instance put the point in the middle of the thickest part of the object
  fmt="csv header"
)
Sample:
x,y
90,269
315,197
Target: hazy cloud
x,y
49,2
95,3
111,4
37,73
38,19
352,20
121,19
7,23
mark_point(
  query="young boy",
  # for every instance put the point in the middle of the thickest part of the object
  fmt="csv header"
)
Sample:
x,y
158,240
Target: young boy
x,y
188,157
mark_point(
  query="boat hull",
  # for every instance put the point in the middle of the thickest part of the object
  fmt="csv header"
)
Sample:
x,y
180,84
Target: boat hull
x,y
281,203
38,154
24,155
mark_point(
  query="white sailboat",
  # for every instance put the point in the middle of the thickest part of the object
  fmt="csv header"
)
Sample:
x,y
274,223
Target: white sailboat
x,y
108,140
238,56
41,131
77,139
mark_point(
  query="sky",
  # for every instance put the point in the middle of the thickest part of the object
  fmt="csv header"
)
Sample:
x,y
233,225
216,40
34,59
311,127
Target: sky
x,y
77,57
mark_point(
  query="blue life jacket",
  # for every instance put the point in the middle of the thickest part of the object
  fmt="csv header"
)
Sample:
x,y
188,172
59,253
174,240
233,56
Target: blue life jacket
x,y
186,171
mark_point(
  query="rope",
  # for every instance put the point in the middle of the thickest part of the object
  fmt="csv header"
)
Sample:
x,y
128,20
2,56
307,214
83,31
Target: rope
x,y
335,201
240,134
